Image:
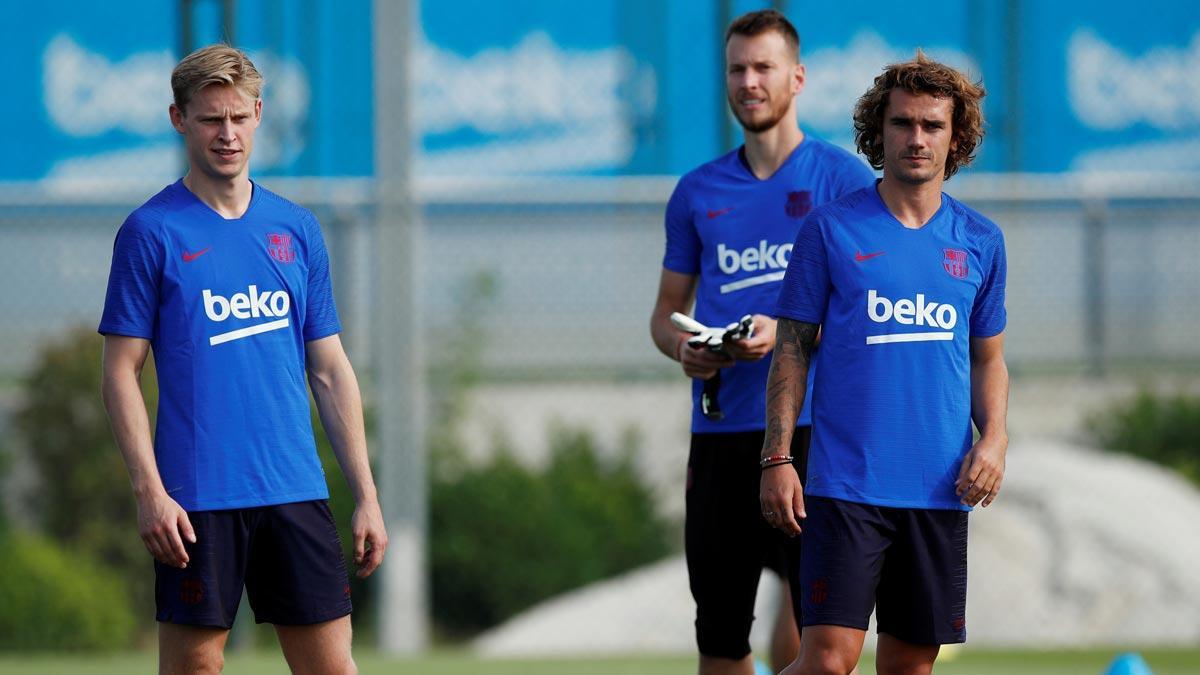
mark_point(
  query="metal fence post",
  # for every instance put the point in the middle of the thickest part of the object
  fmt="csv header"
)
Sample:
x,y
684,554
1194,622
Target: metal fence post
x,y
1096,326
399,399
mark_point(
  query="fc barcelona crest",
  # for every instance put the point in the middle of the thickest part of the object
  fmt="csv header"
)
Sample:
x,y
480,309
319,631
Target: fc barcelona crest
x,y
280,247
799,203
955,263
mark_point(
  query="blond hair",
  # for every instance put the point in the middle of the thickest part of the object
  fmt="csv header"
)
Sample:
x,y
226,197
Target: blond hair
x,y
922,75
214,64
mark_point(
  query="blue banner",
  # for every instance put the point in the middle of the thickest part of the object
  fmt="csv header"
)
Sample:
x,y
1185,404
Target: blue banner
x,y
608,87
1113,88
97,86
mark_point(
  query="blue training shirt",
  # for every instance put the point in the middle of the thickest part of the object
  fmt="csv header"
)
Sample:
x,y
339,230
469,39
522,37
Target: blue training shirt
x,y
227,306
736,232
892,397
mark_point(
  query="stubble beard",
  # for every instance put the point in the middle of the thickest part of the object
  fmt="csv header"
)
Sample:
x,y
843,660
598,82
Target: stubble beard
x,y
769,123
916,176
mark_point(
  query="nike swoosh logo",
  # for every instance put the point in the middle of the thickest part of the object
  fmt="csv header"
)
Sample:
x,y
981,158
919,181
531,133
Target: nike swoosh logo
x,y
859,257
189,257
720,212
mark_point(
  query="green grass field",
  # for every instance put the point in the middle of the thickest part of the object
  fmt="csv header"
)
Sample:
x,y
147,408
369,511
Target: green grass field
x,y
966,662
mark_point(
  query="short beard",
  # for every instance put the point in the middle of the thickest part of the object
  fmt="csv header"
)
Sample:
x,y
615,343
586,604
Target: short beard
x,y
760,127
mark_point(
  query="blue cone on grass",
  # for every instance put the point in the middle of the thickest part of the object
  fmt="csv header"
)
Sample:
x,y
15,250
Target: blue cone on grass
x,y
1128,664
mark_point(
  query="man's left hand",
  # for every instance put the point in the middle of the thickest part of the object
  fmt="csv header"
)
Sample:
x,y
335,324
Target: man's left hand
x,y
370,537
781,499
758,345
982,472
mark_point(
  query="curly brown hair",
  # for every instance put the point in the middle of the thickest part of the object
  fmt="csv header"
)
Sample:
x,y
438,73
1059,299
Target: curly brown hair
x,y
922,75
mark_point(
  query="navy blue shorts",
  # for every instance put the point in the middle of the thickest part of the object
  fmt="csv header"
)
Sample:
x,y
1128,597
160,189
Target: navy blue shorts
x,y
727,541
287,556
910,565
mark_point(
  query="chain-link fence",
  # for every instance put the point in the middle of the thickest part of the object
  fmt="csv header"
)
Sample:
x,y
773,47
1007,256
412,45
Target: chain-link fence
x,y
1101,275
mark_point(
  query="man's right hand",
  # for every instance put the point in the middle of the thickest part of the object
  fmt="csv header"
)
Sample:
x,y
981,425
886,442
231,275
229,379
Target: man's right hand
x,y
701,363
163,525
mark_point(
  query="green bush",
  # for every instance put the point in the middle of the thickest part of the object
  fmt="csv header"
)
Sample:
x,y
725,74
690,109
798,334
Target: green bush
x,y
55,599
83,498
504,536
1160,428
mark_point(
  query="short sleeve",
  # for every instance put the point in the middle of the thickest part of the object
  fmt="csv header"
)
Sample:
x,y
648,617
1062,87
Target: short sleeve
x,y
134,279
683,243
988,316
320,312
804,294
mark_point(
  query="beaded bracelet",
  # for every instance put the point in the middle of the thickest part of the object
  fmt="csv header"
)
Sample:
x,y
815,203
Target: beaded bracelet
x,y
774,460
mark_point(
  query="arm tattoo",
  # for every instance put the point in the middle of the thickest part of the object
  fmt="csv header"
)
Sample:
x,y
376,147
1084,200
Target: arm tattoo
x,y
794,341
797,338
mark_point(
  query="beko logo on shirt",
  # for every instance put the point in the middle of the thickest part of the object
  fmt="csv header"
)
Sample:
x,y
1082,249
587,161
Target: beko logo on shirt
x,y
765,256
762,257
918,312
246,306
250,305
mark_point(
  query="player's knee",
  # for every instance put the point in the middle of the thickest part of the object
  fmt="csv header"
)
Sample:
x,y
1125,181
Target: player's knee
x,y
823,662
201,661
901,666
922,669
214,664
344,666
895,657
830,667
